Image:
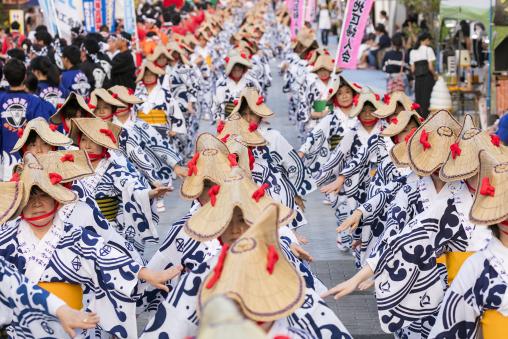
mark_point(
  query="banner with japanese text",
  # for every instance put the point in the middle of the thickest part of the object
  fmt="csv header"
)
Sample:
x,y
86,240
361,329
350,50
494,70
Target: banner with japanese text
x,y
61,16
353,29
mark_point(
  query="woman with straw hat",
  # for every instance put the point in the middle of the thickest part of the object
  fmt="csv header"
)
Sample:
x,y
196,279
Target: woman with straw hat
x,y
123,196
18,295
352,164
158,107
75,106
426,218
236,78
64,257
202,58
326,135
487,312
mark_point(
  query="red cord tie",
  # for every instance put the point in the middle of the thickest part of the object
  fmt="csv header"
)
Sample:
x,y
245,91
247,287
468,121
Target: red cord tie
x,y
260,100
422,120
496,141
487,188
225,138
271,259
102,155
235,102
260,192
330,90
326,52
130,91
394,121
15,177
109,133
217,270
55,178
92,107
114,95
53,127
58,106
357,86
386,99
424,140
356,98
226,59
415,106
233,162
220,126
20,132
40,217
456,151
243,55
377,96
192,165
253,126
67,157
408,136
252,160
212,193
281,337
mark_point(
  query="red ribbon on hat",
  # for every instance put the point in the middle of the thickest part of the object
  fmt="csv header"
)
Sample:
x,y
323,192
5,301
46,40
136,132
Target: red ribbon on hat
x,y
330,90
67,157
260,192
356,98
233,162
235,102
109,133
394,120
386,99
253,126
191,165
114,95
377,96
281,337
424,140
410,134
59,105
415,106
456,151
130,91
252,160
92,107
271,259
55,178
20,132
220,126
212,193
225,138
243,55
487,188
53,127
496,141
217,270
357,86
15,177
260,100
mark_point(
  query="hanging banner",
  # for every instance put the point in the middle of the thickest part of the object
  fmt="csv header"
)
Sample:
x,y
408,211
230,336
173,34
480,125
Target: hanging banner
x,y
61,16
310,11
129,19
351,35
88,15
293,13
301,13
109,10
49,14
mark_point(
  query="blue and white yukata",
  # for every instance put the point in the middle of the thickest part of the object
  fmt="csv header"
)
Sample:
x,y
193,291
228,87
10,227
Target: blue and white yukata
x,y
226,91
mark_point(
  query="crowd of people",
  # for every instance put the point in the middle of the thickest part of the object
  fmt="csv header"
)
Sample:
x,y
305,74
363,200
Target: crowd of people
x,y
94,132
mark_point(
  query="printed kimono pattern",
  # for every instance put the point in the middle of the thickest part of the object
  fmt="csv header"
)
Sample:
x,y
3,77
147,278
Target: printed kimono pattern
x,y
73,80
51,94
227,90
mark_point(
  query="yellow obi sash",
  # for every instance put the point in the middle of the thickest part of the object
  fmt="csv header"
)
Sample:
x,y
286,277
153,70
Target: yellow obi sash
x,y
494,325
72,294
229,107
453,262
154,117
334,141
109,207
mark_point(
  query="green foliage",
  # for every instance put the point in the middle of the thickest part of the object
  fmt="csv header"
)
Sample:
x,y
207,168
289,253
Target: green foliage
x,y
427,7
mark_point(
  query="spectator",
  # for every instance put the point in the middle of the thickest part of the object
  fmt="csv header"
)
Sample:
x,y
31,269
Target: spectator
x,y
422,59
363,52
395,65
383,19
382,42
324,23
123,67
73,79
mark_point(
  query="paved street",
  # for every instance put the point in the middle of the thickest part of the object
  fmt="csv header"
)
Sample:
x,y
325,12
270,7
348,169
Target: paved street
x,y
357,311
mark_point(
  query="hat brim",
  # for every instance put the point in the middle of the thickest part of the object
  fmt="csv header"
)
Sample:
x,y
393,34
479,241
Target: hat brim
x,y
41,127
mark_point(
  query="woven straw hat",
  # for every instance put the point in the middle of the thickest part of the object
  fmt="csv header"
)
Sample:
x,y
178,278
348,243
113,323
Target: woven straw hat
x,y
357,89
190,38
361,99
176,47
125,95
489,205
390,104
235,146
236,125
151,67
211,164
235,58
47,133
429,146
71,165
399,155
236,190
103,133
57,117
324,61
256,274
463,161
104,95
255,101
15,195
399,123
221,319
158,51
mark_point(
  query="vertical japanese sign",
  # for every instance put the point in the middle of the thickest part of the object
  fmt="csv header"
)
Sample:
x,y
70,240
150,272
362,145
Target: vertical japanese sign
x,y
19,16
351,35
49,14
293,13
310,11
62,15
88,15
129,16
301,13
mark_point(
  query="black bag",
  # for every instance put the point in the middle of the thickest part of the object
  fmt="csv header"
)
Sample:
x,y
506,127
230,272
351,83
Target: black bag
x,y
421,68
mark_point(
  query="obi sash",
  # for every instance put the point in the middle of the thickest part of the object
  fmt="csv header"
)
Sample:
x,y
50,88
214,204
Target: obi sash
x,y
494,325
109,207
72,294
154,117
229,107
334,141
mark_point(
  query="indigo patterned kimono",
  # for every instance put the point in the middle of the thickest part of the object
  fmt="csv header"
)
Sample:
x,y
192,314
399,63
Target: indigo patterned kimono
x,y
480,286
422,224
72,254
226,91
122,197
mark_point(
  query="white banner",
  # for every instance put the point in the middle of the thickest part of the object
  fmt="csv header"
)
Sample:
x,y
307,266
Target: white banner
x,y
62,15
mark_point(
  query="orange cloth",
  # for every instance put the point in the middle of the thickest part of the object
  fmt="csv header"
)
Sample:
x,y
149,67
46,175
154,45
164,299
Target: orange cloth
x,y
72,294
494,325
454,261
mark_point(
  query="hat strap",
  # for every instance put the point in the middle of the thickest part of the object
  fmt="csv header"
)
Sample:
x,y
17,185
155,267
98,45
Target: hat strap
x,y
217,270
40,217
99,156
272,259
